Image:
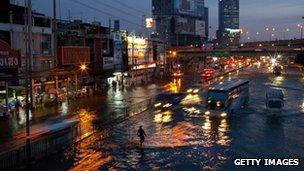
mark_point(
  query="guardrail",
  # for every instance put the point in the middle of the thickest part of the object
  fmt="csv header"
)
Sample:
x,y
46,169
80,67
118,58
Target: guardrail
x,y
58,140
40,147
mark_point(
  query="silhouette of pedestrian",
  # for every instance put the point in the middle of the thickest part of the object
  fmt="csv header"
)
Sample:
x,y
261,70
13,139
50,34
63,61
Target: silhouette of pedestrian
x,y
141,134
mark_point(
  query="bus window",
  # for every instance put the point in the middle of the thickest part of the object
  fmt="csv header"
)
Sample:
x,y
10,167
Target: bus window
x,y
275,104
216,100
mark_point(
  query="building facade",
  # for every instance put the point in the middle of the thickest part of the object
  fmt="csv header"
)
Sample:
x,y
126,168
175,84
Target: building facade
x,y
180,22
228,32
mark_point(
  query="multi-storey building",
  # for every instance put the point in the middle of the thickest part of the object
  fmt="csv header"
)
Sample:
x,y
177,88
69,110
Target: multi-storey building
x,y
228,32
180,22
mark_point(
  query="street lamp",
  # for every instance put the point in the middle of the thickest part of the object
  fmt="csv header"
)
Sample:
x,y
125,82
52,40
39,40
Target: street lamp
x,y
301,30
257,36
174,53
285,32
83,67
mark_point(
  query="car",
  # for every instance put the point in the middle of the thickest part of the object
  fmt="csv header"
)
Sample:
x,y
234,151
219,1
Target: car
x,y
207,73
177,74
166,100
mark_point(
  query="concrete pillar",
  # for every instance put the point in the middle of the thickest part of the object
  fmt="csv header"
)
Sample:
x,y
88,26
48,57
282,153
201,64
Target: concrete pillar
x,y
6,95
76,83
67,87
56,82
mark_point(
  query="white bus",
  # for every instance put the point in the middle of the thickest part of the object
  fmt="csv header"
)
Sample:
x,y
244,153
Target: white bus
x,y
227,98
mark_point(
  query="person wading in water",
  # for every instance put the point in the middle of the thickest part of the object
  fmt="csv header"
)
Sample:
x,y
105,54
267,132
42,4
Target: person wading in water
x,y
141,134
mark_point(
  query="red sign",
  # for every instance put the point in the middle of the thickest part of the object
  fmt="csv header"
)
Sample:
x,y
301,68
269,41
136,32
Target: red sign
x,y
8,58
73,55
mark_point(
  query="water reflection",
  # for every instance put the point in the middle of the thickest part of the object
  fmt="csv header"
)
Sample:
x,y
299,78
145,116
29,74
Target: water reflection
x,y
191,99
223,139
278,80
215,131
173,87
163,117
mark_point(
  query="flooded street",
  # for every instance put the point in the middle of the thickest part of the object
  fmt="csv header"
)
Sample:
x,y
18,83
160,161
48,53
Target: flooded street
x,y
183,138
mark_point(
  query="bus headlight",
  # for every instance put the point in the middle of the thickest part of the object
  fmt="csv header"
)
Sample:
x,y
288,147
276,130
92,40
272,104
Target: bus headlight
x,y
167,105
157,105
195,90
224,114
218,104
189,90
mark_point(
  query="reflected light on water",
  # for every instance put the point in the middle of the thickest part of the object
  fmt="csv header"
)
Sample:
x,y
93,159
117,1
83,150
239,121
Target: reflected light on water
x,y
302,106
64,108
207,123
207,142
191,99
223,139
278,80
163,117
173,87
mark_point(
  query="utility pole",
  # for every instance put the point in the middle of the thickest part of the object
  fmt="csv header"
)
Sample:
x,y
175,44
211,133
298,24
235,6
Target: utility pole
x,y
27,74
55,33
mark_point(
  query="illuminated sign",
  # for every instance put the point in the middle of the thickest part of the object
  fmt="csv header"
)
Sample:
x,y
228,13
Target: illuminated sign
x,y
73,55
8,58
144,66
231,31
149,22
137,49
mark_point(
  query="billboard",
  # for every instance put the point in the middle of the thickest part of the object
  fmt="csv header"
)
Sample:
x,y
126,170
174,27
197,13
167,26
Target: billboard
x,y
9,58
189,7
185,25
149,22
116,25
138,47
200,28
117,49
73,55
108,63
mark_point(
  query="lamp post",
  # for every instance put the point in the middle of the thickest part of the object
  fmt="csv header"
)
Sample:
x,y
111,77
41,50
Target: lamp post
x,y
301,30
267,29
257,36
285,32
27,79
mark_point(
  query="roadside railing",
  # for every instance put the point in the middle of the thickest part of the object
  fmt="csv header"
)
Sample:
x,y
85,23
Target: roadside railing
x,y
51,143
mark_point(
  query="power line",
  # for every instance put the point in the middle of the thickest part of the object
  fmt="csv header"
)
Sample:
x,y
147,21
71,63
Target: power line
x,y
130,7
103,12
110,6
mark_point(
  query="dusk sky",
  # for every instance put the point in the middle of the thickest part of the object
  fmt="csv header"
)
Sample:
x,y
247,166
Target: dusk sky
x,y
255,15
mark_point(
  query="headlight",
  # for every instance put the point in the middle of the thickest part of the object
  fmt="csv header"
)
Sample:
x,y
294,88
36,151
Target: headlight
x,y
218,104
157,105
195,90
189,90
207,113
224,114
167,105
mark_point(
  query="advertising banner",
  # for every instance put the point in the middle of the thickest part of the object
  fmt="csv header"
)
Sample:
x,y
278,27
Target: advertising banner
x,y
185,25
108,63
138,47
9,58
117,49
189,7
200,28
73,55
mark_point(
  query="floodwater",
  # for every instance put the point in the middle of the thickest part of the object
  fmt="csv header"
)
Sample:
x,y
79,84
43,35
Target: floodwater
x,y
183,138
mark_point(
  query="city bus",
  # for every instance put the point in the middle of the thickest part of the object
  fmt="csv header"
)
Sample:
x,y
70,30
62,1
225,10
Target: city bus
x,y
226,98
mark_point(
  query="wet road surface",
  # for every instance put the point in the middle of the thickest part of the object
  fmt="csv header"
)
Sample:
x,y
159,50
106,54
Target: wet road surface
x,y
185,139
